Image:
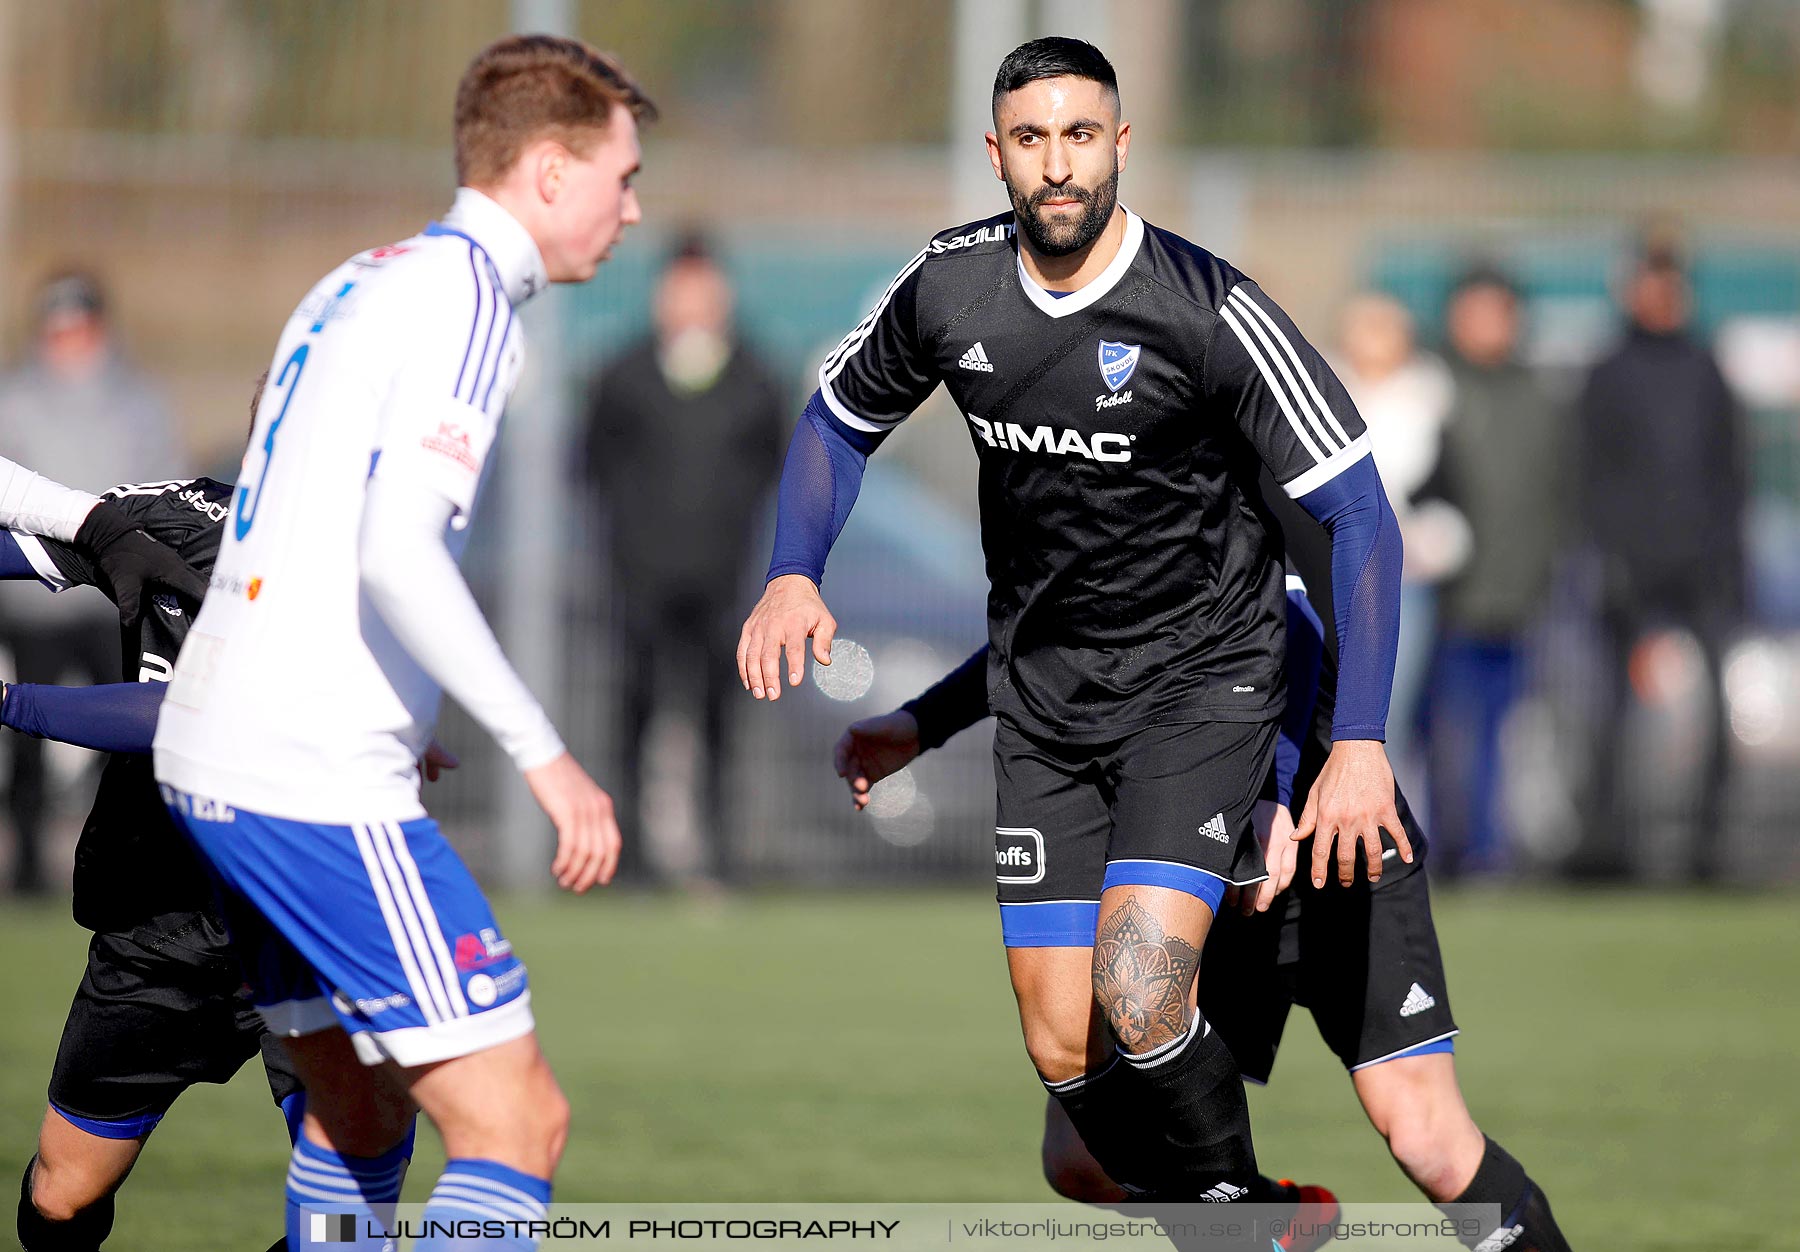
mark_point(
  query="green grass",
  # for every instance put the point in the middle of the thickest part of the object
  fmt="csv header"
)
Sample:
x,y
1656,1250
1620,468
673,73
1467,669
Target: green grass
x,y
1637,1052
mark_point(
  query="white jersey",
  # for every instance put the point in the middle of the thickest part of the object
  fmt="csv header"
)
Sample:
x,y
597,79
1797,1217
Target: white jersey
x,y
291,697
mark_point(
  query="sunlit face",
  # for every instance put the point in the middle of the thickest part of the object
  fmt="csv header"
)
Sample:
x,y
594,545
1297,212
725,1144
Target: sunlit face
x,y
693,295
1657,300
1058,145
589,200
1377,336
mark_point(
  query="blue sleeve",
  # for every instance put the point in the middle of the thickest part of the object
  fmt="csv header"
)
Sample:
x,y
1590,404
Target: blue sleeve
x,y
14,564
1305,655
819,482
956,701
112,717
1365,591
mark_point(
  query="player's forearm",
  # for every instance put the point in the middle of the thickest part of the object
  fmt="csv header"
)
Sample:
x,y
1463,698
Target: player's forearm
x,y
1366,555
416,587
955,702
819,483
110,717
35,505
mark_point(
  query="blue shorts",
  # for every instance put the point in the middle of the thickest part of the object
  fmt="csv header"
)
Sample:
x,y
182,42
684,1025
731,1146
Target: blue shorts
x,y
377,928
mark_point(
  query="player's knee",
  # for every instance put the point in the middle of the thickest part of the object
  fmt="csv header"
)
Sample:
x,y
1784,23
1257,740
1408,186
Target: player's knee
x,y
1057,1050
1135,1030
544,1130
60,1193
1420,1139
554,1115
63,1191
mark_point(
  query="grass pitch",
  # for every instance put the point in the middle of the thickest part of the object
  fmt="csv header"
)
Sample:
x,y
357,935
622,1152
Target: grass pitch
x,y
1637,1052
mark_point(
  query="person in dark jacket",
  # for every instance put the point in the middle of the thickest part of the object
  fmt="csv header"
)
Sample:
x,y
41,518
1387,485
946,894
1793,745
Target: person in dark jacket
x,y
684,435
1502,468
1664,492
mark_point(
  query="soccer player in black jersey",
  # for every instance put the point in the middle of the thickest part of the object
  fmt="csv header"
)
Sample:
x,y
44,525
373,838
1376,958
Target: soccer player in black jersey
x,y
162,1004
1363,960
1122,388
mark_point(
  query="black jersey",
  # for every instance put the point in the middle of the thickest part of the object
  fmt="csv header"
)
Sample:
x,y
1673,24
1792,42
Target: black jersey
x,y
1136,575
132,863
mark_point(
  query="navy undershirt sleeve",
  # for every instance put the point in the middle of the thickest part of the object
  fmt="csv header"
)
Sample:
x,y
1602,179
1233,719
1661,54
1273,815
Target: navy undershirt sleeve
x,y
1305,656
111,717
819,481
955,702
14,564
1365,587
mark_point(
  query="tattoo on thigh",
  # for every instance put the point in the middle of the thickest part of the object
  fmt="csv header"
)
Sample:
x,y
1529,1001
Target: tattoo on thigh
x,y
1141,977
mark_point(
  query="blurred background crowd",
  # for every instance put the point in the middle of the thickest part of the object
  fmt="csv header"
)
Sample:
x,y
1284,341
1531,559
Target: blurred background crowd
x,y
1548,244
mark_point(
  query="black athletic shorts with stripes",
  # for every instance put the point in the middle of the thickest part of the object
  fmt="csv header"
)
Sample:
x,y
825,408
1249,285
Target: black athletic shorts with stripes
x,y
1363,960
1167,806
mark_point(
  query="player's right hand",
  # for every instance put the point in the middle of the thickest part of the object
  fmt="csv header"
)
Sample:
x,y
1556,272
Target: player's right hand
x,y
587,831
126,559
790,611
1281,855
874,748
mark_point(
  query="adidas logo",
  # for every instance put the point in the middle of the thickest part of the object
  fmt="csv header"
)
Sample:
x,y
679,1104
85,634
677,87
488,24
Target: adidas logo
x,y
976,359
1504,1237
1223,1193
1215,829
1417,1001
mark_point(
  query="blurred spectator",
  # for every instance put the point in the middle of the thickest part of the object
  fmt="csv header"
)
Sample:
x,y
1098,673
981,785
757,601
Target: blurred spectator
x,y
79,412
1664,491
1503,470
685,430
1403,395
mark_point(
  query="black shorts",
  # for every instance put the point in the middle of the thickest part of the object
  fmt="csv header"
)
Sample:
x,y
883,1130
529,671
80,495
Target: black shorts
x,y
1363,959
1169,806
161,1007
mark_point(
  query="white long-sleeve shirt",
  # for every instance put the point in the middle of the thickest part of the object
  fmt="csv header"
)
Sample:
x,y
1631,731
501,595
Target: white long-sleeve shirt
x,y
311,679
35,505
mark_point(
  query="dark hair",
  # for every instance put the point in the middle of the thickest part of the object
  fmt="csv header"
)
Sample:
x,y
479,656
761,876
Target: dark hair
x,y
525,87
691,245
1054,56
70,291
1485,274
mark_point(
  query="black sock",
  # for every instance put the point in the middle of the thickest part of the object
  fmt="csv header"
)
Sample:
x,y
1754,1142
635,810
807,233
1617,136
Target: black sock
x,y
1524,1211
1194,1120
1103,1108
84,1232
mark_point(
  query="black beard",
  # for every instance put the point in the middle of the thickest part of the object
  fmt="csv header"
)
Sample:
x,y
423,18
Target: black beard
x,y
1061,237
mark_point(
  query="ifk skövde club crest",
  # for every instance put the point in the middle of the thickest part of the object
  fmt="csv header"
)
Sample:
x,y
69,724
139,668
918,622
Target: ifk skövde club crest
x,y
1117,361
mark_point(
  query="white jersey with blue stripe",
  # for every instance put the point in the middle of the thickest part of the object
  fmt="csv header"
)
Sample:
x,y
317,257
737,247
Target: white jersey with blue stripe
x,y
291,697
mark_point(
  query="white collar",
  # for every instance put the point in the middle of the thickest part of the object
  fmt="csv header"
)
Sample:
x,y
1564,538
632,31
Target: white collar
x,y
508,244
1108,278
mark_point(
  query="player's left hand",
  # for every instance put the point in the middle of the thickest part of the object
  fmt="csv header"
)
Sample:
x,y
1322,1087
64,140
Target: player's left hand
x,y
127,559
437,760
1352,802
587,831
872,749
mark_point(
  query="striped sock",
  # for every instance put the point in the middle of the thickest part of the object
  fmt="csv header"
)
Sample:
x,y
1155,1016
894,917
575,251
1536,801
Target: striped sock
x,y
487,1191
331,1199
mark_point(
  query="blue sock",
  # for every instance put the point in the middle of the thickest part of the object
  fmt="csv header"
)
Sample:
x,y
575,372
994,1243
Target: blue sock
x,y
472,1190
293,1112
327,1192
